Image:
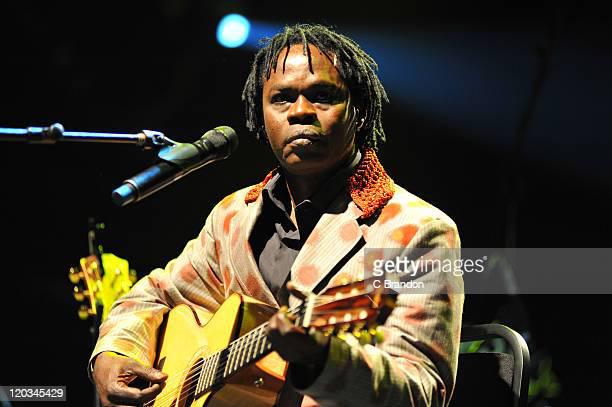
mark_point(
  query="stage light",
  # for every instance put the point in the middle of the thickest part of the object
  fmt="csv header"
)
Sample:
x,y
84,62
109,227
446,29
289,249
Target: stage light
x,y
233,30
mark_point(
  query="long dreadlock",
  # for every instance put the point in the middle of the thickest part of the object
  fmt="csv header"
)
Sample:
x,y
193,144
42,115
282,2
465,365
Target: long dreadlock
x,y
356,68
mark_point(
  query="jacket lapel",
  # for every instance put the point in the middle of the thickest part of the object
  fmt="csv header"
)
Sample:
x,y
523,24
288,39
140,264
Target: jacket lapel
x,y
332,238
241,256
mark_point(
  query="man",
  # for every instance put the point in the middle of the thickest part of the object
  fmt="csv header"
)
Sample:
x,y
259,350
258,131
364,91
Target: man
x,y
314,96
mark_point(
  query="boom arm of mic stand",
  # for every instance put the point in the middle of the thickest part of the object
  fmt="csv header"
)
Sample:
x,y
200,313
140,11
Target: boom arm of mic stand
x,y
146,139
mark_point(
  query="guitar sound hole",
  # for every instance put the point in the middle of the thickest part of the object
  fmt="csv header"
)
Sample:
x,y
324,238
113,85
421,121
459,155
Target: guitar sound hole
x,y
189,386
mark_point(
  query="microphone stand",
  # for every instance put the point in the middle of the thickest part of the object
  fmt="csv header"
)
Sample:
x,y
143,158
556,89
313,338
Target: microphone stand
x,y
147,139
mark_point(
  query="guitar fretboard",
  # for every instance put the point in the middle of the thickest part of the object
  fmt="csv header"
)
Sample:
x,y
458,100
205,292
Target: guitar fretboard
x,y
241,352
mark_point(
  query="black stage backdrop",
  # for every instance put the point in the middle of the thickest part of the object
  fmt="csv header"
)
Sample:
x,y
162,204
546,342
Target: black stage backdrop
x,y
459,79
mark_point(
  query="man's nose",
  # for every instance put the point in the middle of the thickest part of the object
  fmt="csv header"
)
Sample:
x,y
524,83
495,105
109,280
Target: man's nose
x,y
301,111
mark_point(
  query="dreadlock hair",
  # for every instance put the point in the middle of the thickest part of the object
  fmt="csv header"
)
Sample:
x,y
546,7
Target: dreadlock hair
x,y
356,68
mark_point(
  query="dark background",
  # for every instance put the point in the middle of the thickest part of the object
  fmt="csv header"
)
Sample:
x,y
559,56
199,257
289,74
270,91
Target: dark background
x,y
499,115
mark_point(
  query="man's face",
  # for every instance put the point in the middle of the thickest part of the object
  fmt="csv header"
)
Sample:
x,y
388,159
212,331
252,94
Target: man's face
x,y
308,115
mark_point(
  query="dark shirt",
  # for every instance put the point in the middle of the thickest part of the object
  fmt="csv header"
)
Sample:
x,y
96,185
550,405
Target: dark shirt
x,y
276,241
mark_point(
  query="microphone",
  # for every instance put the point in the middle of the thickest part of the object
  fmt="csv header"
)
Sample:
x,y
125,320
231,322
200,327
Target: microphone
x,y
177,161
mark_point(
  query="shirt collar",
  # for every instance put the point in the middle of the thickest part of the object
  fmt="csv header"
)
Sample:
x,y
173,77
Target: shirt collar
x,y
276,188
369,187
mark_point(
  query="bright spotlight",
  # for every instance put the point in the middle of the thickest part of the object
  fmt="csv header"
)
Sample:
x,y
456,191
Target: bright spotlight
x,y
233,30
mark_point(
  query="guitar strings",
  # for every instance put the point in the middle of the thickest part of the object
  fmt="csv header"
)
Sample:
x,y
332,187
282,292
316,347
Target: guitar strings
x,y
189,380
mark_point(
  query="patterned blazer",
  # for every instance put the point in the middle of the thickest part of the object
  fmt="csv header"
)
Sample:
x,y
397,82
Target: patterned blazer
x,y
417,362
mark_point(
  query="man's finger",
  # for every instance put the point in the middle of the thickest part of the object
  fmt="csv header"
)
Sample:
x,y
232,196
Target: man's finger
x,y
285,326
151,392
148,373
272,324
280,325
295,291
123,394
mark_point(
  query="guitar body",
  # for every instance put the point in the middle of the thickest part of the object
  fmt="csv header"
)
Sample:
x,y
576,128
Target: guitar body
x,y
189,335
226,360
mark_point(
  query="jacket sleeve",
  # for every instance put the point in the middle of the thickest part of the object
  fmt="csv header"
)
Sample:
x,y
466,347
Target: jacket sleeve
x,y
192,278
416,364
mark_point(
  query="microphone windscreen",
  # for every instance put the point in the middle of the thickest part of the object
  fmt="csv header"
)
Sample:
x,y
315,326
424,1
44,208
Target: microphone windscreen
x,y
223,139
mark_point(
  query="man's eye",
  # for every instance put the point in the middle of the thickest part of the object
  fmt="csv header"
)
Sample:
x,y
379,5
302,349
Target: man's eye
x,y
322,97
279,99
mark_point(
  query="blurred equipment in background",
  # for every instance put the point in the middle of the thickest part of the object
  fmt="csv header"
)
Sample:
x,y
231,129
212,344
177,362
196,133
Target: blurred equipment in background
x,y
487,378
99,279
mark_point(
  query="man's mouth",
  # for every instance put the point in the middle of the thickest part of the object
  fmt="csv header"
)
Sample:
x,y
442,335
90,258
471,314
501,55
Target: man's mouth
x,y
303,139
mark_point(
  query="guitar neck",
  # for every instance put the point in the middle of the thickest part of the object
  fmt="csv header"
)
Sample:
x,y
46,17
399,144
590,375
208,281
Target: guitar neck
x,y
216,368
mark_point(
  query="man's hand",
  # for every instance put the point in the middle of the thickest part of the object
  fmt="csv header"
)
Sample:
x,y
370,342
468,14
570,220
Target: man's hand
x,y
306,353
294,344
113,374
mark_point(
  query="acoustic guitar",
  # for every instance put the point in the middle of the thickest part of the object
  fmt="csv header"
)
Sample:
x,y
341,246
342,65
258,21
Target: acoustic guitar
x,y
225,358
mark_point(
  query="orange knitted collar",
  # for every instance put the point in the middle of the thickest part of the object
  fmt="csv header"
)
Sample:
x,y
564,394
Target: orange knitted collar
x,y
370,186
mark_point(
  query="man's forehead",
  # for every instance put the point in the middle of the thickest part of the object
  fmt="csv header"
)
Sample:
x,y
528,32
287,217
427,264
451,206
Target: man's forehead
x,y
314,64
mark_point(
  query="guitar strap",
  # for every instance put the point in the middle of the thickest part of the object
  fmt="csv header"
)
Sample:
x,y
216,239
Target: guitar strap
x,y
323,283
358,246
